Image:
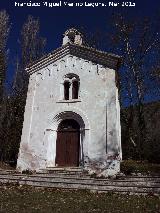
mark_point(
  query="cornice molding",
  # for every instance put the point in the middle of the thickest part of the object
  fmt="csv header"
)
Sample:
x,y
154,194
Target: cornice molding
x,y
99,57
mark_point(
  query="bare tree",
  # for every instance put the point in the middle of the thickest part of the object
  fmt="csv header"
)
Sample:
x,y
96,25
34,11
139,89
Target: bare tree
x,y
138,42
4,32
32,47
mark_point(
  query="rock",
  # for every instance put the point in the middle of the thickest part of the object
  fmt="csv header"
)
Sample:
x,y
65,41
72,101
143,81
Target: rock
x,y
121,174
133,173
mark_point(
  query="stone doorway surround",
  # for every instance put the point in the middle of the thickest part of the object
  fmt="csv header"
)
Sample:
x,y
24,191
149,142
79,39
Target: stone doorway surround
x,y
55,120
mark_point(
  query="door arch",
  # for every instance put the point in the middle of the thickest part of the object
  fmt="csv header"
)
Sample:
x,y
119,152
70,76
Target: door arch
x,y
68,143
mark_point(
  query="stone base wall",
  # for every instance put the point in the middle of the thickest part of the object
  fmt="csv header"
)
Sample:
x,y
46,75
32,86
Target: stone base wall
x,y
108,166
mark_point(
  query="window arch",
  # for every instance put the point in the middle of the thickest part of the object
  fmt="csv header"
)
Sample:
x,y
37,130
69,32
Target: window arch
x,y
71,86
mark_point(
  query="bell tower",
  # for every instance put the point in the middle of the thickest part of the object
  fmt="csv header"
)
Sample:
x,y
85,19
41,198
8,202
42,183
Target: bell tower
x,y
73,36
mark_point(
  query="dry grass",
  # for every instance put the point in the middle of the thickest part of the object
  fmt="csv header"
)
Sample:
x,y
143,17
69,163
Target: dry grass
x,y
6,166
143,167
30,199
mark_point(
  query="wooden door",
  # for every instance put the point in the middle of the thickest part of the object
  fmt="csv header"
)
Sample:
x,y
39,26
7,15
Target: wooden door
x,y
67,147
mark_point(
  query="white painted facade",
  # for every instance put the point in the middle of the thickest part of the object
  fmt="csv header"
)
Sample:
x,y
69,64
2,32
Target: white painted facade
x,y
96,110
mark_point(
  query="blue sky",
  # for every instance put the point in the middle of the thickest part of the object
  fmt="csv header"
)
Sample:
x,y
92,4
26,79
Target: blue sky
x,y
54,21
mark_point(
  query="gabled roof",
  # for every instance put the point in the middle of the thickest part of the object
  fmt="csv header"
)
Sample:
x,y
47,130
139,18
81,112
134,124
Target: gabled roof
x,y
88,53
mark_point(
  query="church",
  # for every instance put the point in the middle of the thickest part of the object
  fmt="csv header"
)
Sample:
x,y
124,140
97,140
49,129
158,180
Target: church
x,y
72,112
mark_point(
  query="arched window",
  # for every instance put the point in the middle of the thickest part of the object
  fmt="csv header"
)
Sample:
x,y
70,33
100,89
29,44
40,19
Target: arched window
x,y
71,86
71,38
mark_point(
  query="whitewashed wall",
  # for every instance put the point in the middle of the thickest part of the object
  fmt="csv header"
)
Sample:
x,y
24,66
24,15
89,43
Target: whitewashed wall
x,y
97,111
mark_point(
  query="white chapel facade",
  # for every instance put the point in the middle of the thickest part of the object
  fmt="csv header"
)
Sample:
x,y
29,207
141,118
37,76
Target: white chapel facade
x,y
72,113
